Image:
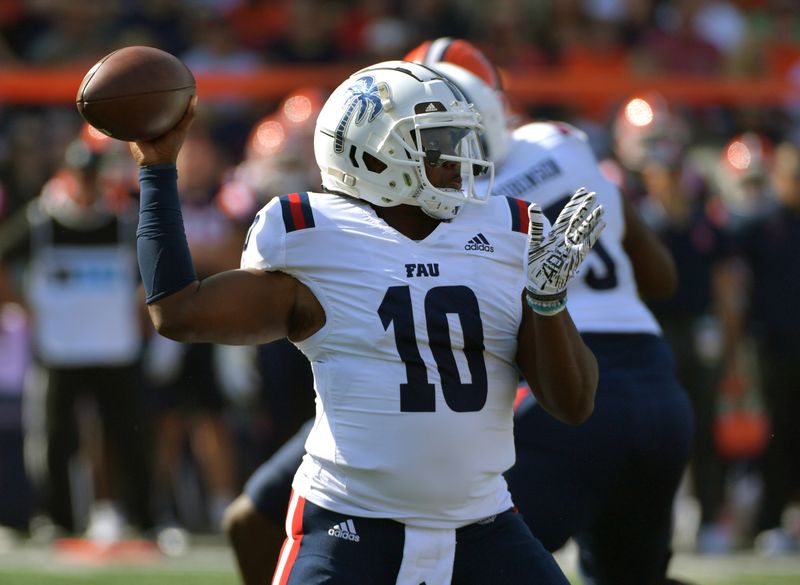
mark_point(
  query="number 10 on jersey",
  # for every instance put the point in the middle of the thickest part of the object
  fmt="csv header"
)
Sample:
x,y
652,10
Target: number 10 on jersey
x,y
418,394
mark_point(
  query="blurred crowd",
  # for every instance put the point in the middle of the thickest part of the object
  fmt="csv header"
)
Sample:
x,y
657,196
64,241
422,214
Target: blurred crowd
x,y
719,183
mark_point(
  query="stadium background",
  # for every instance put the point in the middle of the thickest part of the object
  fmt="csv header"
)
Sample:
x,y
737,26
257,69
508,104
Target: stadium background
x,y
723,66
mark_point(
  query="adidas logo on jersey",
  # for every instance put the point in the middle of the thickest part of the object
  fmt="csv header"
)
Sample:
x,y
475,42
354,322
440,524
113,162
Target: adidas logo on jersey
x,y
346,530
479,243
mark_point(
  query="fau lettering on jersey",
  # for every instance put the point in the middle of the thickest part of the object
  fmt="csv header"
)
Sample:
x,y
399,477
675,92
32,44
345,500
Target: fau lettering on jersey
x,y
415,361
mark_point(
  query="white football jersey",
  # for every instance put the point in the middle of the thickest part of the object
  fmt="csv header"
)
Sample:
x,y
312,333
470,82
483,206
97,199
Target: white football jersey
x,y
547,163
414,368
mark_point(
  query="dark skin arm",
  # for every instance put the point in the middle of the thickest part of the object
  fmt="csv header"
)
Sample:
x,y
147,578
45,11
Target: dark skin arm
x,y
239,307
235,306
653,265
560,369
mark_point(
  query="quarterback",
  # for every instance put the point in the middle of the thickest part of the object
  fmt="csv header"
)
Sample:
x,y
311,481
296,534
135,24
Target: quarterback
x,y
417,298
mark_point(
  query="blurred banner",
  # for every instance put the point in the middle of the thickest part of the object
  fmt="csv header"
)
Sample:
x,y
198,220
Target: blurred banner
x,y
55,86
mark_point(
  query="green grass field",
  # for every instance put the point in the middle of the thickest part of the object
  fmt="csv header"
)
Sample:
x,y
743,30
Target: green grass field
x,y
156,576
119,576
210,562
754,580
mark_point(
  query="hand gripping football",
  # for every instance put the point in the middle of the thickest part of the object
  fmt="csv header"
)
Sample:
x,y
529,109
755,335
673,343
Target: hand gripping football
x,y
135,93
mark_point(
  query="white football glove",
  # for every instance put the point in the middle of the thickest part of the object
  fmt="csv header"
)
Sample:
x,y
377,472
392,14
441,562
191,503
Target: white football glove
x,y
555,259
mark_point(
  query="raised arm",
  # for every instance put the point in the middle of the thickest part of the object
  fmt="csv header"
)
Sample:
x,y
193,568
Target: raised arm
x,y
560,369
232,307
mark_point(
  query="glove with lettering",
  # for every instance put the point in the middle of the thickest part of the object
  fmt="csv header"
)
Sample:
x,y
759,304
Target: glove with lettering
x,y
553,260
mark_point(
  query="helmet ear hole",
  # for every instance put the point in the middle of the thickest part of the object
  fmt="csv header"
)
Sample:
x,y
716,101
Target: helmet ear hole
x,y
374,164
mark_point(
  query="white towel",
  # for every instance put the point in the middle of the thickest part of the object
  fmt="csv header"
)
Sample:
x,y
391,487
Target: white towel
x,y
428,556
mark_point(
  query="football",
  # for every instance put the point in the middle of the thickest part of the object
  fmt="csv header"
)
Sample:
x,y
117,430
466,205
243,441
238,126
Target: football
x,y
135,93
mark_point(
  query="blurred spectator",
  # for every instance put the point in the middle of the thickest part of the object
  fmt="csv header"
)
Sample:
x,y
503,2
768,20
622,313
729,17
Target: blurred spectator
x,y
277,161
308,34
742,191
653,141
73,248
15,489
187,378
12,15
372,31
159,23
256,21
73,32
675,45
385,38
213,46
719,22
509,35
429,19
742,177
768,244
214,49
31,148
598,47
775,26
279,149
644,129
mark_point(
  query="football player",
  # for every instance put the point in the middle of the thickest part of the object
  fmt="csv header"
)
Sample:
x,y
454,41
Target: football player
x,y
415,338
610,482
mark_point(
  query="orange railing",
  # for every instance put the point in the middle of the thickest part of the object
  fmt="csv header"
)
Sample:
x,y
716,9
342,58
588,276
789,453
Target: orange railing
x,y
46,86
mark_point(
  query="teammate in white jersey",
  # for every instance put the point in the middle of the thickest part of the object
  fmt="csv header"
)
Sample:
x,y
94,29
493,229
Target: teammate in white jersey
x,y
414,331
609,483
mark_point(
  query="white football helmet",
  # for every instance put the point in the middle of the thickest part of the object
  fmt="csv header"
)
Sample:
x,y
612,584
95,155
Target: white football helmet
x,y
489,102
379,129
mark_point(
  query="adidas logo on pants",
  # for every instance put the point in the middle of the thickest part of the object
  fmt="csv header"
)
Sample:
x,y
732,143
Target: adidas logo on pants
x,y
346,530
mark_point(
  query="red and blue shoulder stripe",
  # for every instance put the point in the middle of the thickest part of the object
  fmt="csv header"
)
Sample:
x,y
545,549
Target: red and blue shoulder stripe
x,y
519,214
296,210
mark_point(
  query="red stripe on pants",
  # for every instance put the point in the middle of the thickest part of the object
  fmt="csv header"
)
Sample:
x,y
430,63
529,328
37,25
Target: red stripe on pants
x,y
291,546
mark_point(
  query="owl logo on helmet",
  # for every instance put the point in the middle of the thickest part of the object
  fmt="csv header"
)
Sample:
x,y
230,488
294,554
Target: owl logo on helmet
x,y
364,104
379,129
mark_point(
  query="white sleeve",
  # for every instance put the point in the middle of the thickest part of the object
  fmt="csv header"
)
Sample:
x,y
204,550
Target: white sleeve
x,y
265,243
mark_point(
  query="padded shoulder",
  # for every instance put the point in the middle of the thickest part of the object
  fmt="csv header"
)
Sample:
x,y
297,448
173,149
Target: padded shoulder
x,y
296,211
